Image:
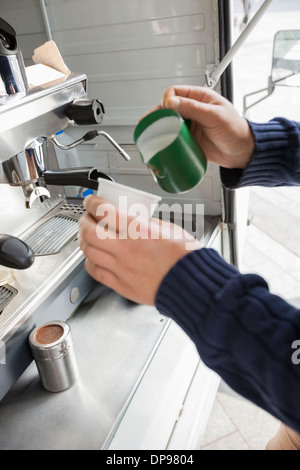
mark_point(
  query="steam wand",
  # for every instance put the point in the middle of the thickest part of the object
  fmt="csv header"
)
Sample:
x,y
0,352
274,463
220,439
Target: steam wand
x,y
89,136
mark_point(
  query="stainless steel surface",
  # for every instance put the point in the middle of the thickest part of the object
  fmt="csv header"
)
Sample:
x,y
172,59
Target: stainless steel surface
x,y
38,281
25,168
57,278
13,76
29,120
43,292
15,218
12,80
56,232
38,113
115,342
6,295
28,166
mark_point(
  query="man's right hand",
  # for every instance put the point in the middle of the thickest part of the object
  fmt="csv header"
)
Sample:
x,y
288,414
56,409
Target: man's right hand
x,y
222,134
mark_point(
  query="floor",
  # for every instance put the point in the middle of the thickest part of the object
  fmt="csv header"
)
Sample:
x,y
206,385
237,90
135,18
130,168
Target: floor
x,y
271,249
236,424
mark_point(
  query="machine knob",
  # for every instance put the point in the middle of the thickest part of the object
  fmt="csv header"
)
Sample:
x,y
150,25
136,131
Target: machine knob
x,y
14,253
85,111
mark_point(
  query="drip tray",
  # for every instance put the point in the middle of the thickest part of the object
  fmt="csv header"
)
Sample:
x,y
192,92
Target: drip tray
x,y
57,232
7,293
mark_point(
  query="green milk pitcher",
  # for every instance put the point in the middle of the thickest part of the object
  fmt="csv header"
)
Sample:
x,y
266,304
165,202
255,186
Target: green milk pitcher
x,y
170,152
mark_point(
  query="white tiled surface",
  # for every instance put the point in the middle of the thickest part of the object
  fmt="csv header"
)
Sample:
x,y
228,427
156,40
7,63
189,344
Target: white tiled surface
x,y
236,424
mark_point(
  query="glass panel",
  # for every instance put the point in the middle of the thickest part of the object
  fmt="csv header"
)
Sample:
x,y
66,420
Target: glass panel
x,y
286,58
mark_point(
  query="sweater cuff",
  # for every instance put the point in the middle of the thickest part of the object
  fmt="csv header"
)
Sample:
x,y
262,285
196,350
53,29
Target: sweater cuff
x,y
193,283
275,159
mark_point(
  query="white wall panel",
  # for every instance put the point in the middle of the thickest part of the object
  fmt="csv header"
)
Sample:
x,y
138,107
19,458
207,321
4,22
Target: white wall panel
x,y
118,43
131,51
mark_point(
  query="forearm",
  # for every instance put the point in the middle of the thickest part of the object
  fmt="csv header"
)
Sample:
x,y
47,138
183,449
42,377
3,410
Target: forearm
x,y
275,160
241,331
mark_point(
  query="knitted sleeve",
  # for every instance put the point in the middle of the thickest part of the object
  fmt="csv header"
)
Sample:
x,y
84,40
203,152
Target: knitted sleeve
x,y
241,330
276,157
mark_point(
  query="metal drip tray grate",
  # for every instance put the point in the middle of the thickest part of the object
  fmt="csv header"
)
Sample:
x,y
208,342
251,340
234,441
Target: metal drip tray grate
x,y
7,293
55,233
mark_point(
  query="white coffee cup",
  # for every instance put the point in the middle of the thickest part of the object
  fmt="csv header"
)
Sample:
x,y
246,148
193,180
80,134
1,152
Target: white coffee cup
x,y
128,199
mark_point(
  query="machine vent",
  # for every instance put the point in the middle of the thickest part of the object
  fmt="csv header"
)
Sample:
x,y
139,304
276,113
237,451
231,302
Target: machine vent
x,y
52,236
6,295
55,233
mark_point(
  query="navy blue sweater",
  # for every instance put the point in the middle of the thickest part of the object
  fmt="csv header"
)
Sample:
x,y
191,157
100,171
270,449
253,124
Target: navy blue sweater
x,y
242,331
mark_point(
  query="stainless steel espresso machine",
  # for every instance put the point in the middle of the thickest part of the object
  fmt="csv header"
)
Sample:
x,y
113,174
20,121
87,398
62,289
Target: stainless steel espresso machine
x,y
41,266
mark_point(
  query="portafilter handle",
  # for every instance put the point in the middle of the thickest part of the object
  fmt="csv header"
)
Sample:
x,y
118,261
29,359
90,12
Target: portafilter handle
x,y
14,253
86,177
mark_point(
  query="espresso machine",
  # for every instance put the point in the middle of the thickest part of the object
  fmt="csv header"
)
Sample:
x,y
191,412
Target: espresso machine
x,y
42,277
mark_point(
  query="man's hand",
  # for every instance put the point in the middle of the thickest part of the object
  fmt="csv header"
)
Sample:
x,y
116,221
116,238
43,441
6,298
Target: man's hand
x,y
222,134
127,254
